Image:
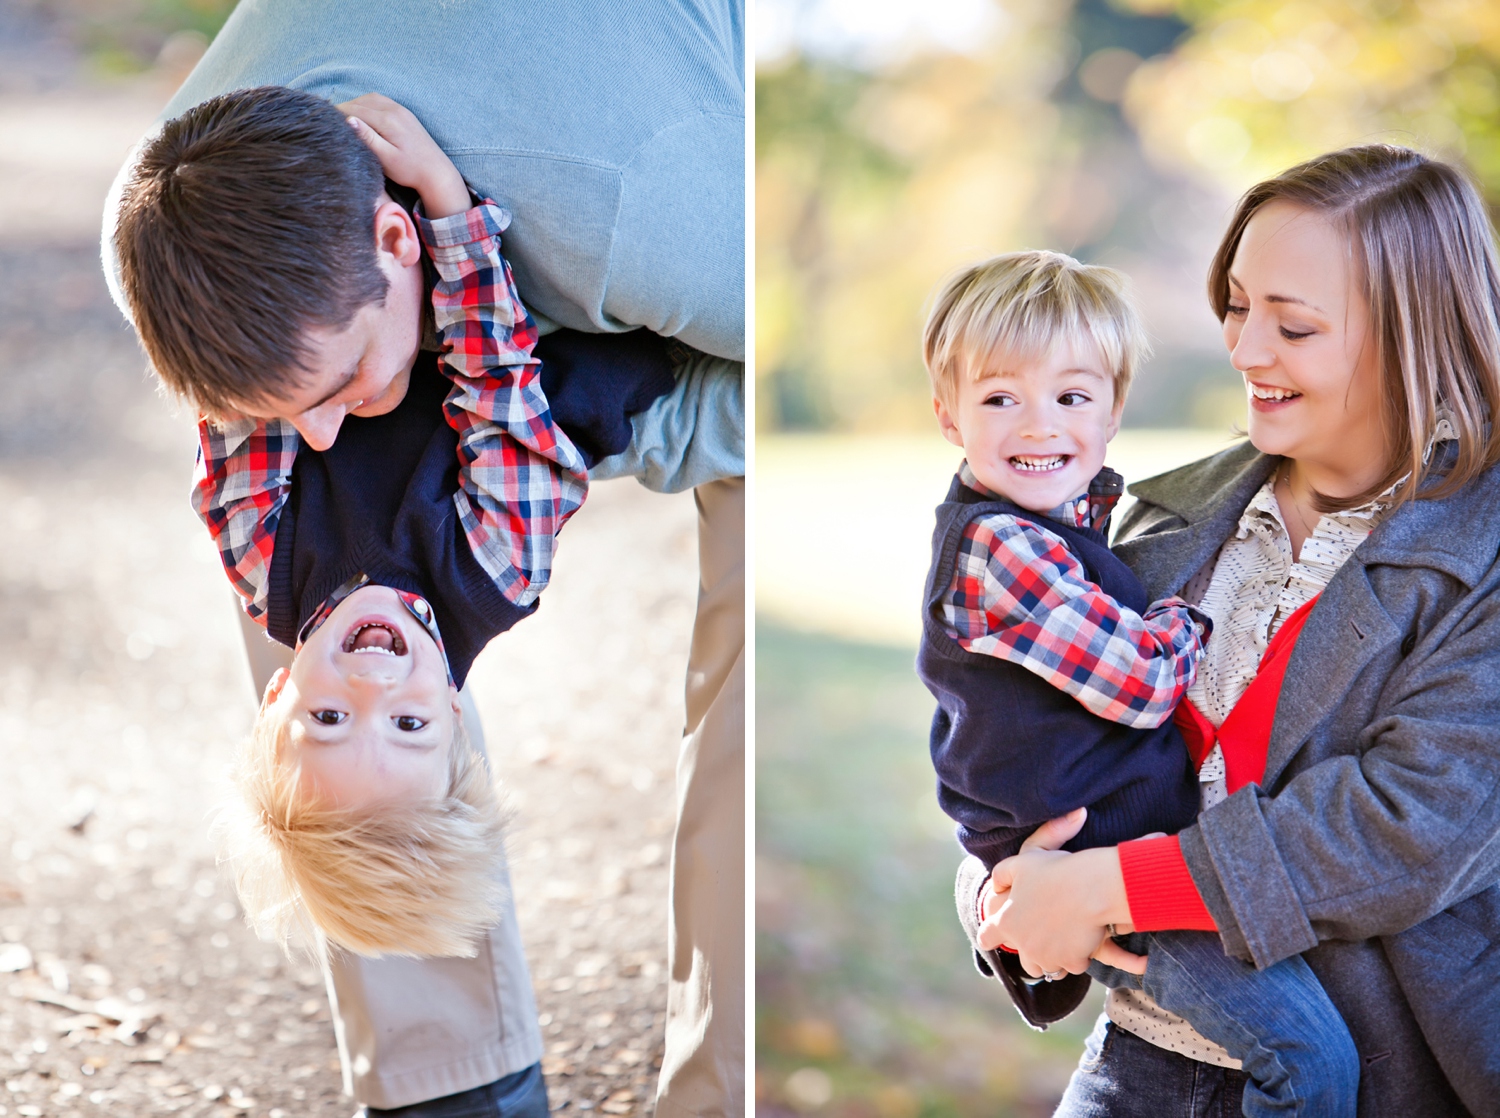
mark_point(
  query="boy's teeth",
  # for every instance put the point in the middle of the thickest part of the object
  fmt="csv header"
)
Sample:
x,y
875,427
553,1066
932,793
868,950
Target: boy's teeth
x,y
1272,393
376,639
1022,462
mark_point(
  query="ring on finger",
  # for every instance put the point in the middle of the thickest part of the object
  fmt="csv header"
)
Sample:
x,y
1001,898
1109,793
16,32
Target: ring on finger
x,y
1053,975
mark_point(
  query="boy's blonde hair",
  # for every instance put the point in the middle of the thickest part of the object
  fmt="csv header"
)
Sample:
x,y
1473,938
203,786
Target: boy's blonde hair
x,y
1017,306
418,878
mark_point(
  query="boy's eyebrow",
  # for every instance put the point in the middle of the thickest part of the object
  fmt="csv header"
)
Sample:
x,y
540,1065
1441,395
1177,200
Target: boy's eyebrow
x,y
1281,298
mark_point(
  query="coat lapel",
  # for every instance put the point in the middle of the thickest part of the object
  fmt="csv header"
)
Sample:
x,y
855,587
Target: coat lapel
x,y
1203,503
1347,628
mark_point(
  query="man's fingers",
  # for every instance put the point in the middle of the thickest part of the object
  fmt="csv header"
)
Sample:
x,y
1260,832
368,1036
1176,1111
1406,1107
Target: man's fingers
x,y
1111,954
1052,834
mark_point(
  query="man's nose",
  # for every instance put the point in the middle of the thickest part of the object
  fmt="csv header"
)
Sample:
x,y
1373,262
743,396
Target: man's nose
x,y
320,426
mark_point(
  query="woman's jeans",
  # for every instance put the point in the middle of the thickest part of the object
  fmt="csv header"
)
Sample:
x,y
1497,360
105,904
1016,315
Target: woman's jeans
x,y
1296,1050
1123,1076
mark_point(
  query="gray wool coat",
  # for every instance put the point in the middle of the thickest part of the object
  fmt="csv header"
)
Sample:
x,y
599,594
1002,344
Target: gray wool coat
x,y
1373,845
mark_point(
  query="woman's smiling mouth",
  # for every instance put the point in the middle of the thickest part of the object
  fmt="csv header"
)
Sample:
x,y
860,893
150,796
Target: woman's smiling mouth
x,y
1270,394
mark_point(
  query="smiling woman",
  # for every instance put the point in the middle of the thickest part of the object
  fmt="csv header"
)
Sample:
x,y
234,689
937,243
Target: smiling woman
x,y
1344,717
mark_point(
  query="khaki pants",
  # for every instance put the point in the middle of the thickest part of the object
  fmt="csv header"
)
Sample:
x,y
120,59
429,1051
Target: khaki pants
x,y
416,1029
703,1070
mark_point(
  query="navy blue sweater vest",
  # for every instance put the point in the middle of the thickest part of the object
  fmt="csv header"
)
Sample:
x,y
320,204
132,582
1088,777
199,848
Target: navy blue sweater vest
x,y
1012,751
380,500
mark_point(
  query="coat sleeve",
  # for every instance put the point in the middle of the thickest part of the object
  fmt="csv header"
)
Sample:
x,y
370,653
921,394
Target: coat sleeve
x,y
1376,840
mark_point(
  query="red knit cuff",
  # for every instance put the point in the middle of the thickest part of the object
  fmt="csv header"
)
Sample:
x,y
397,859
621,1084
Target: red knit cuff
x,y
1159,889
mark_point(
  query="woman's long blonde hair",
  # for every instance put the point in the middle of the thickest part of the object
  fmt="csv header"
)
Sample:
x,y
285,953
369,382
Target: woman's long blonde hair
x,y
1423,252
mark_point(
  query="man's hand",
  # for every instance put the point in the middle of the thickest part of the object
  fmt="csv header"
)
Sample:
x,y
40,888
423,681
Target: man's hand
x,y
407,154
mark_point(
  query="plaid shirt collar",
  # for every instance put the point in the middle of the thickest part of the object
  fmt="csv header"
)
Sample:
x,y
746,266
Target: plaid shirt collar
x,y
415,604
1074,513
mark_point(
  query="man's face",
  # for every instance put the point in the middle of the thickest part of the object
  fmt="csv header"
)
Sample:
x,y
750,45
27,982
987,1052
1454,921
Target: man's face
x,y
364,368
369,708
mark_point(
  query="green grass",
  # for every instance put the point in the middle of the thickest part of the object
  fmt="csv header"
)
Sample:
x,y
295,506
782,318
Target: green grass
x,y
862,971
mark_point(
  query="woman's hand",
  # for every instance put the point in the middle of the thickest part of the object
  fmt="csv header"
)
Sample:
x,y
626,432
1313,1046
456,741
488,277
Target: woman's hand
x,y
407,154
1053,908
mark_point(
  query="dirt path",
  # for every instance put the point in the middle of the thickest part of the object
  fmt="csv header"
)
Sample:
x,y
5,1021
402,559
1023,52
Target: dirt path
x,y
128,983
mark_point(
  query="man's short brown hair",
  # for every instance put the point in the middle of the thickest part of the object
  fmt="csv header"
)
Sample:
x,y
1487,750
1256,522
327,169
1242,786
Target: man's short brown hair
x,y
247,220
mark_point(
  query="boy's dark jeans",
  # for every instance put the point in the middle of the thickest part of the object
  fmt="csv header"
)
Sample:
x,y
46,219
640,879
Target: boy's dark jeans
x,y
1278,1022
520,1095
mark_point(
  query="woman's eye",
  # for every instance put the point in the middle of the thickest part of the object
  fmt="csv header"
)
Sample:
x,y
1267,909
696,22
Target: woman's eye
x,y
409,723
1294,336
1072,399
1236,311
329,717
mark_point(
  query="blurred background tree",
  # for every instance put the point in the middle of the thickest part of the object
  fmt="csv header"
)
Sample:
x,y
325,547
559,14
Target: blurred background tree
x,y
1117,130
121,37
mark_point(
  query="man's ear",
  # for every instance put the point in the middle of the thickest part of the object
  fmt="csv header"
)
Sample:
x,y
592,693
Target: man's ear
x,y
274,686
396,235
946,425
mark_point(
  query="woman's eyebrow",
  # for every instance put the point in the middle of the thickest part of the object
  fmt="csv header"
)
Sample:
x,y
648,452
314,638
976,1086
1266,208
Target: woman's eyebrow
x,y
1281,298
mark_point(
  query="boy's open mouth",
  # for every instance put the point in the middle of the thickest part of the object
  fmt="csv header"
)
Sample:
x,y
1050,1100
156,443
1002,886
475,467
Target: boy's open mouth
x,y
374,637
1039,464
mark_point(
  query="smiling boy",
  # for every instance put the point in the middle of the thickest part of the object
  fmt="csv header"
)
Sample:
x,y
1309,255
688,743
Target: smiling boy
x,y
1057,680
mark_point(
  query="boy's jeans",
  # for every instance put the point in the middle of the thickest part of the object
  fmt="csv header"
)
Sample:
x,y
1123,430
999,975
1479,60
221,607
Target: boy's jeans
x,y
1278,1022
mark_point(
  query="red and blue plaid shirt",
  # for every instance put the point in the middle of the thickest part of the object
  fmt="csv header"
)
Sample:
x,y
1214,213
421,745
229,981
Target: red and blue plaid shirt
x,y
1020,594
520,477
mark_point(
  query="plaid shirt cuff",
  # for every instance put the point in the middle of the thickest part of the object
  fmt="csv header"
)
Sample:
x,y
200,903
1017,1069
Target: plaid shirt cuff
x,y
475,225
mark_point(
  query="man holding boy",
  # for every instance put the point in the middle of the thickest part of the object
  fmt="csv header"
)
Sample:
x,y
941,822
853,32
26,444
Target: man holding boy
x,y
402,1019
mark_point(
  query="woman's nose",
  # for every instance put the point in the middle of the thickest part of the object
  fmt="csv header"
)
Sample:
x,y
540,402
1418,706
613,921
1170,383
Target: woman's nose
x,y
1249,349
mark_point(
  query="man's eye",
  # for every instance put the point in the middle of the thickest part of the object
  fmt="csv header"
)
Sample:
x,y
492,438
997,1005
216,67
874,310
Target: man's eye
x,y
410,723
1072,399
329,717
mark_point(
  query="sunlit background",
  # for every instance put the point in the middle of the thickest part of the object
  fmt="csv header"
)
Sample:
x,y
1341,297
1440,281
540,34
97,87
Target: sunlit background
x,y
894,142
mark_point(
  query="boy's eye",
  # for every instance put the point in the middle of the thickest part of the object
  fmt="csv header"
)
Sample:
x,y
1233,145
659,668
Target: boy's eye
x,y
408,722
1072,399
998,400
329,717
